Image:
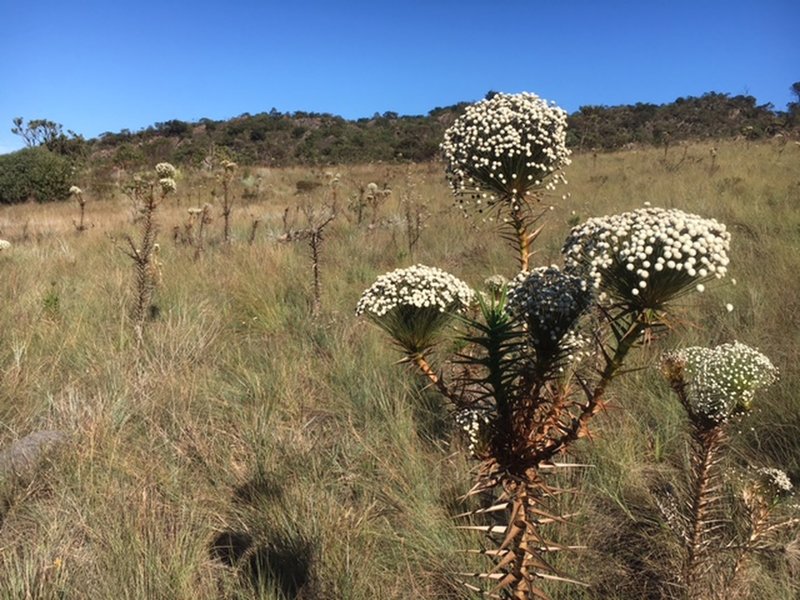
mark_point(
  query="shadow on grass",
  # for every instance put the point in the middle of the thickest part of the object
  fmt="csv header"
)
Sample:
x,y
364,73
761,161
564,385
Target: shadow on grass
x,y
282,563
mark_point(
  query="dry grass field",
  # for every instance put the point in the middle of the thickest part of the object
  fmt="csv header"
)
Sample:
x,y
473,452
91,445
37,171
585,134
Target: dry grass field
x,y
248,449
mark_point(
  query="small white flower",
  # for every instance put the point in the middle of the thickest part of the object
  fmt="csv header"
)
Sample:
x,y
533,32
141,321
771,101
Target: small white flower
x,y
4,245
776,481
729,307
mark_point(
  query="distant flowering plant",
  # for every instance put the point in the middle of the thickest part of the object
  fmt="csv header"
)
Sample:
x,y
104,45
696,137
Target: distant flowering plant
x,y
167,185
165,170
719,383
413,304
549,303
648,257
75,191
505,146
772,483
4,245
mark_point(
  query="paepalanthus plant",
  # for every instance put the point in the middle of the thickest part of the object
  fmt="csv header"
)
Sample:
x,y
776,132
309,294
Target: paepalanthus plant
x,y
228,170
717,388
501,155
77,193
147,194
539,356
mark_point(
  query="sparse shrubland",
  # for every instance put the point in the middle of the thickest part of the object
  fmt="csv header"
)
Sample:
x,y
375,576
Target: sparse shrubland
x,y
248,450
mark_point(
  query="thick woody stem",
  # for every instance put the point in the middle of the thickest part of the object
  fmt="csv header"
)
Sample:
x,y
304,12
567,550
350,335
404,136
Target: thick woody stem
x,y
424,366
708,443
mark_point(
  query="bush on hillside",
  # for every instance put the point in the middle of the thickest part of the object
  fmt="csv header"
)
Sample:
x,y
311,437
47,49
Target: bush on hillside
x,y
34,173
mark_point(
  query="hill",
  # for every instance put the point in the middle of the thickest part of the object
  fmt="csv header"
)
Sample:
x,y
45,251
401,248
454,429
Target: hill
x,y
282,139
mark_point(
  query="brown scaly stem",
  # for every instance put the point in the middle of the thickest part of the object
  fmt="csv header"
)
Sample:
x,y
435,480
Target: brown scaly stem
x,y
708,444
424,366
580,425
523,240
143,262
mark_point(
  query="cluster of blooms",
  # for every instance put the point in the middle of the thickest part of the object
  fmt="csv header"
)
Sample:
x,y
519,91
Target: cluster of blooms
x,y
721,382
503,147
418,286
548,302
165,170
495,283
650,255
75,191
4,245
167,185
474,423
775,481
228,166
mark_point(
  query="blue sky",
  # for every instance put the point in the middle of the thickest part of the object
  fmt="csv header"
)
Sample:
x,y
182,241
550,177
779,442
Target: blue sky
x,y
105,66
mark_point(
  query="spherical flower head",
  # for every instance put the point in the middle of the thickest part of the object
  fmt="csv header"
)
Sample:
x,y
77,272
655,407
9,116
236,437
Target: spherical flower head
x,y
503,147
4,245
414,304
647,257
721,382
75,191
165,170
167,185
549,303
229,166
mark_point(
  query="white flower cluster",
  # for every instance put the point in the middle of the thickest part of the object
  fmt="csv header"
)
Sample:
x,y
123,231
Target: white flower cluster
x,y
474,423
775,480
503,147
418,286
165,170
650,255
721,382
549,302
167,185
75,191
4,245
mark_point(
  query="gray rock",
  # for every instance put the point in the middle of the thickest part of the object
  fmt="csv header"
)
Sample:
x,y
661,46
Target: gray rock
x,y
20,459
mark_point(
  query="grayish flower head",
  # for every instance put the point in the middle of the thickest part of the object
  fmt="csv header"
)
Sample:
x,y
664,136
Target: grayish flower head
x,y
549,303
720,382
165,170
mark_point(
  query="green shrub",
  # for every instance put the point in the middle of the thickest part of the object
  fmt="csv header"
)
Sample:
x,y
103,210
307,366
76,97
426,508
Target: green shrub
x,y
34,173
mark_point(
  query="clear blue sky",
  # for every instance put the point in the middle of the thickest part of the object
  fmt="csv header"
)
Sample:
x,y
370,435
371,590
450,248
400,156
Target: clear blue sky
x,y
104,66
